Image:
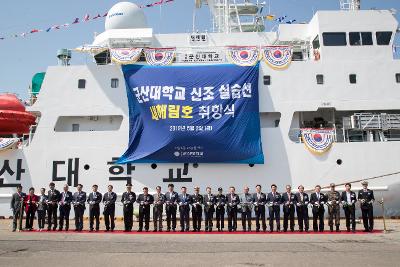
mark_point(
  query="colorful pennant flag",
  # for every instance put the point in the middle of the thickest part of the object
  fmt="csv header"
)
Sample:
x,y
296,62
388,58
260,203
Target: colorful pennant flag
x,y
270,17
281,19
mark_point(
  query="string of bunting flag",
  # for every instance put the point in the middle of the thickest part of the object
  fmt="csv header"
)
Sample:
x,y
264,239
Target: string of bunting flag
x,y
77,20
277,57
282,19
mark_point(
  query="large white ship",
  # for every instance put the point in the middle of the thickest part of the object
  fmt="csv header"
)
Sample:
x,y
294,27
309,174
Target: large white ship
x,y
341,76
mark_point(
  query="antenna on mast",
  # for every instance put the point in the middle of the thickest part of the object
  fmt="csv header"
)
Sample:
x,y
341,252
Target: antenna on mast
x,y
350,4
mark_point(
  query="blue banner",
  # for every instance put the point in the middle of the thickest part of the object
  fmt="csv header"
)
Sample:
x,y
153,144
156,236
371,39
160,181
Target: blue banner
x,y
193,114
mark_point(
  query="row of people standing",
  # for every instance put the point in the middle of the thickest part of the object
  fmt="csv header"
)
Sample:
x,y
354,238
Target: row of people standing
x,y
231,204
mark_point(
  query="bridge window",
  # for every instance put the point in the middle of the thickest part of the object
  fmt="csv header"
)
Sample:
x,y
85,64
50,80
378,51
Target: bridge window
x,y
81,83
320,79
383,38
360,38
334,38
267,80
96,123
75,127
353,78
315,43
398,77
114,83
270,119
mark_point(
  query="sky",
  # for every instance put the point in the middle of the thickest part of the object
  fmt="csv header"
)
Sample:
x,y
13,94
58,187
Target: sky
x,y
21,58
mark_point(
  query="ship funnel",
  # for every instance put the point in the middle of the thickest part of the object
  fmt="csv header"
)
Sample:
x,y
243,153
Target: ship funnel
x,y
64,56
350,4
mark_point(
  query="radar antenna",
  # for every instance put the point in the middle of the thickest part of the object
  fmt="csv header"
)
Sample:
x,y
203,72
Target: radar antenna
x,y
235,15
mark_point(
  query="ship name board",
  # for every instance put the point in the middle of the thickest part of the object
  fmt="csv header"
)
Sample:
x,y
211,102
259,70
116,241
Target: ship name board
x,y
200,56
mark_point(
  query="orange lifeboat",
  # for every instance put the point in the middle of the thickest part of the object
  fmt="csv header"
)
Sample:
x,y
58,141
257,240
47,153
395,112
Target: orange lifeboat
x,y
14,119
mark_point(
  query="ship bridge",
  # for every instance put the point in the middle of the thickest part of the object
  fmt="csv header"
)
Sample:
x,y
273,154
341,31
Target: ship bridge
x,y
346,34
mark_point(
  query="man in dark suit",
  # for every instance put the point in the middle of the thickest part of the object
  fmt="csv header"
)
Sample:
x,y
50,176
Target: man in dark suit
x,y
144,200
349,199
232,200
288,201
197,209
171,199
209,202
302,201
158,208
79,200
274,200
53,197
260,199
220,202
94,201
128,198
109,199
246,203
184,201
17,201
65,208
366,198
318,200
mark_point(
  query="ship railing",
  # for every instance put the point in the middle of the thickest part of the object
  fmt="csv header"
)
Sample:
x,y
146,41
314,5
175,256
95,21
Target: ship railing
x,y
341,135
295,135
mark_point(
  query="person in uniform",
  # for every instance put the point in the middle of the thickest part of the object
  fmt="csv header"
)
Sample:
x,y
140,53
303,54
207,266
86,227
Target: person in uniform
x,y
17,203
144,200
366,198
184,209
349,199
171,199
289,201
317,199
65,208
79,200
30,202
302,201
246,202
232,200
109,199
274,200
333,201
53,197
220,202
158,208
41,210
197,209
128,198
259,201
94,201
209,202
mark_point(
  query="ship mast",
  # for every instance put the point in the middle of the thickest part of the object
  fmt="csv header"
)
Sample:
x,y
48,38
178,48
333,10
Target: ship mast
x,y
233,15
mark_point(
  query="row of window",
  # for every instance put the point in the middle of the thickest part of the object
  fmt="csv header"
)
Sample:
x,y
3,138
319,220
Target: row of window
x,y
355,38
320,79
82,83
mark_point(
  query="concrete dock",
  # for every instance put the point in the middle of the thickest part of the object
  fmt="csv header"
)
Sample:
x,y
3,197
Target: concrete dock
x,y
117,249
